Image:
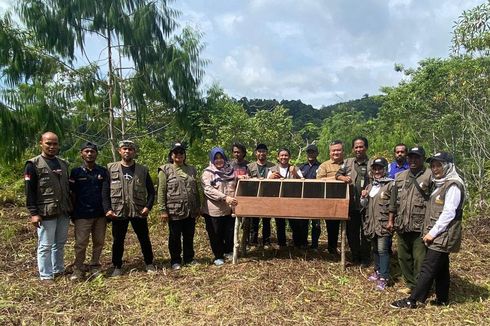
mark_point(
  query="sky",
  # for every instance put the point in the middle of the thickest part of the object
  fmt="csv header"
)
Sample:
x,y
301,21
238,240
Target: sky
x,y
318,51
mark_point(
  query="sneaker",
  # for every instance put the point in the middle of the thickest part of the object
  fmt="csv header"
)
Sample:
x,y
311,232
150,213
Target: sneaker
x,y
77,274
150,269
218,262
381,284
176,266
404,304
405,290
374,276
116,272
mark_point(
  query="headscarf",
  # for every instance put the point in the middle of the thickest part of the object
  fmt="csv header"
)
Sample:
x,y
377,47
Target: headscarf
x,y
225,173
449,170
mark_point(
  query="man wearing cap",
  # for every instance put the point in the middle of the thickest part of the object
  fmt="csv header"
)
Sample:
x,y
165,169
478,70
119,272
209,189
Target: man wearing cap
x,y
308,169
49,204
400,163
355,172
179,204
259,169
327,170
128,198
88,214
407,211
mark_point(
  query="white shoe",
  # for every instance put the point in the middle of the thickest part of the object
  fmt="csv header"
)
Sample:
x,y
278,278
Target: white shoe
x,y
176,266
77,274
219,262
116,272
150,269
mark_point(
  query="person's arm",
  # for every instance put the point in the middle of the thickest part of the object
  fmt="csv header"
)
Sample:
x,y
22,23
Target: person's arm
x,y
31,182
73,186
106,194
162,189
342,174
150,189
451,203
209,190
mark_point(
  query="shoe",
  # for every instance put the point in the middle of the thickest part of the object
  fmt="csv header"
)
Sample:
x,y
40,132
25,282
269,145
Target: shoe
x,y
228,256
374,276
438,303
150,269
59,274
381,284
405,290
77,274
218,262
176,266
116,272
404,304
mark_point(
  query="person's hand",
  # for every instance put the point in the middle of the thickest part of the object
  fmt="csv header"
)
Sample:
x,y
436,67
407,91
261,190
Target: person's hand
x,y
390,226
144,212
345,178
364,193
275,175
293,171
428,239
110,214
232,201
36,220
164,216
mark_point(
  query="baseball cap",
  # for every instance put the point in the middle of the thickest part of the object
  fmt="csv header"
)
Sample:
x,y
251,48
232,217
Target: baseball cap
x,y
417,150
380,161
127,143
441,156
89,145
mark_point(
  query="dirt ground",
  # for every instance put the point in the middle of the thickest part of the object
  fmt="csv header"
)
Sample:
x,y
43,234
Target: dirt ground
x,y
266,287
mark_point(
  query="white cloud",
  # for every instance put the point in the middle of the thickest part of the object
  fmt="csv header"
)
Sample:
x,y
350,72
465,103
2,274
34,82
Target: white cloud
x,y
228,22
285,30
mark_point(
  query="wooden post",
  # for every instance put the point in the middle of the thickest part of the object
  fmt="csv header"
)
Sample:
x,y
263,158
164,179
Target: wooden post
x,y
343,232
238,221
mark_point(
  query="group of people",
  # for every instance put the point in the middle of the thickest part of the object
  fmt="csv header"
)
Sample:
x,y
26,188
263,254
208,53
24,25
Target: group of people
x,y
423,206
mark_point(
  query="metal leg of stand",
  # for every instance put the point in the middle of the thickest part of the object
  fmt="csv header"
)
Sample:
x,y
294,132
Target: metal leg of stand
x,y
343,233
238,222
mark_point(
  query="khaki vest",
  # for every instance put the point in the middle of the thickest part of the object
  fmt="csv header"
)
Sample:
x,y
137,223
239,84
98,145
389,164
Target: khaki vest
x,y
376,218
253,169
349,167
128,197
450,239
410,202
181,193
53,190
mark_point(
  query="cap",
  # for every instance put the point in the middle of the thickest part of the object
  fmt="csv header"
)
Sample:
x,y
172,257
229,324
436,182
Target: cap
x,y
380,161
177,146
261,146
312,147
418,150
127,143
441,156
89,145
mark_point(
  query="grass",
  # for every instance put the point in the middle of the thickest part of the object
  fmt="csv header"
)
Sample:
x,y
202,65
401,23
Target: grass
x,y
270,287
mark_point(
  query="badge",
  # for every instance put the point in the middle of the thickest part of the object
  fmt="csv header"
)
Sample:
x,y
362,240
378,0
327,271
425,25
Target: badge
x,y
438,200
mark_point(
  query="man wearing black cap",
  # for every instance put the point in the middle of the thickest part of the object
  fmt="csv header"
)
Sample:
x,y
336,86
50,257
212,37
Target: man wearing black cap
x,y
128,197
259,169
407,211
88,214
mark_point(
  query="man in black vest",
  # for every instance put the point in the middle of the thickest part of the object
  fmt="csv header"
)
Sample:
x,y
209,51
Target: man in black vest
x,y
48,202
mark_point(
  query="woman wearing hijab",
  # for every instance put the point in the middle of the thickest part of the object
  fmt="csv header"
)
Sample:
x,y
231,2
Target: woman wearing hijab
x,y
219,182
441,232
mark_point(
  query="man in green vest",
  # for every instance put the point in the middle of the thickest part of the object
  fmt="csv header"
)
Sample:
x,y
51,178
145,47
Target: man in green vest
x,y
48,202
128,198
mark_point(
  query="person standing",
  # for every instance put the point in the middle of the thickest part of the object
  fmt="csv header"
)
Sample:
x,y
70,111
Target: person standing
x,y
400,163
407,211
259,169
219,183
354,172
86,183
49,204
441,232
328,170
179,202
128,197
309,170
239,164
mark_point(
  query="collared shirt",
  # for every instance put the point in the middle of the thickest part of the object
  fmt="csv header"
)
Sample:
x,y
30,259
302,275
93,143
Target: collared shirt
x,y
394,169
328,169
86,185
309,169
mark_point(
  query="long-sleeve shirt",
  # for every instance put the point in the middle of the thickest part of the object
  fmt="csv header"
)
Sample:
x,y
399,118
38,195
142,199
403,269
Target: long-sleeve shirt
x,y
451,203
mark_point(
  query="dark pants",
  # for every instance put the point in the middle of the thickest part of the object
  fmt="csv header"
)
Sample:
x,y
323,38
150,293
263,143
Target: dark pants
x,y
434,268
266,230
221,232
411,253
281,231
332,233
300,232
119,230
360,246
181,234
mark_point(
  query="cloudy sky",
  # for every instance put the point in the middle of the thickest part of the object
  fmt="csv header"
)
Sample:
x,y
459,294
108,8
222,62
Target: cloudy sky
x,y
319,51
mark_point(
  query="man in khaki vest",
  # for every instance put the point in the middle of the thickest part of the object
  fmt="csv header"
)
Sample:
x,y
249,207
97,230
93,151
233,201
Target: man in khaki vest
x,y
48,202
128,197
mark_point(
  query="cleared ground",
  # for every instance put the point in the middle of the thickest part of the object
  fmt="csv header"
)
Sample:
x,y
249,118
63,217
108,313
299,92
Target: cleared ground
x,y
267,287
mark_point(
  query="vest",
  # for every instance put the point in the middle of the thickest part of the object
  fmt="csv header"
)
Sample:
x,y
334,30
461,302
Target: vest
x,y
349,167
376,218
276,168
181,192
253,169
450,239
53,190
128,197
410,202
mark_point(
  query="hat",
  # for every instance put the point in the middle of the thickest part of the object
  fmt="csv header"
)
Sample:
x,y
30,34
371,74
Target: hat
x,y
418,150
177,146
89,145
261,146
441,156
127,143
312,147
380,161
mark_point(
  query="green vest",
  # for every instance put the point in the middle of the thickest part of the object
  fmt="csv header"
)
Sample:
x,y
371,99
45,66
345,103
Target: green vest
x,y
128,197
53,190
410,202
376,218
181,193
450,239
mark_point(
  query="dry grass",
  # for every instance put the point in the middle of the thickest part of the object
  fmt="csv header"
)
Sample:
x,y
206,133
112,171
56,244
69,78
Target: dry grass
x,y
265,288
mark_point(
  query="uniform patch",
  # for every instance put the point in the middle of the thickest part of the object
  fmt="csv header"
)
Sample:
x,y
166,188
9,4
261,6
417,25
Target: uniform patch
x,y
438,200
27,177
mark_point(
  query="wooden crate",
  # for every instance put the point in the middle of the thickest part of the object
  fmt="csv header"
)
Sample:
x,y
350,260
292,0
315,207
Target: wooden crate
x,y
297,198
